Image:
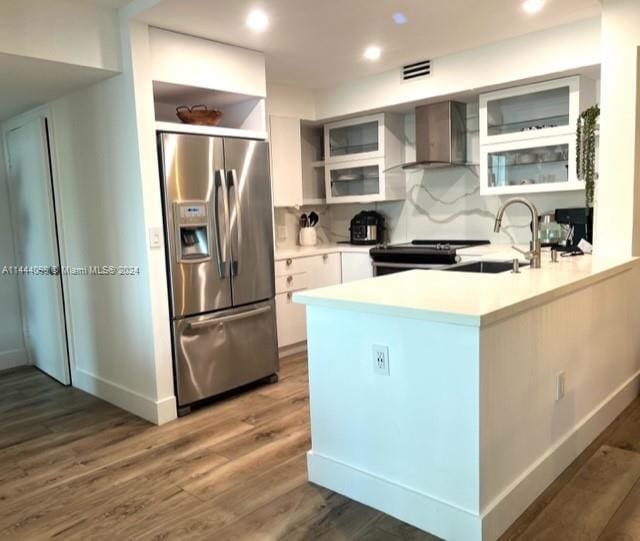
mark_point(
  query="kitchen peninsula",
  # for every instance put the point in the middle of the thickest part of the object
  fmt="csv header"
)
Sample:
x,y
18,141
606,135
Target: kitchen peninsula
x,y
450,400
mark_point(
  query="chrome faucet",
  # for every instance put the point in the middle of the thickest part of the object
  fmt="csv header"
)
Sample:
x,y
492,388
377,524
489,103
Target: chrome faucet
x,y
533,255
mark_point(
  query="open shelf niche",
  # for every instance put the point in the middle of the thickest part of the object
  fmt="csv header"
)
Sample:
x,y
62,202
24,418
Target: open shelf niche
x,y
313,184
243,115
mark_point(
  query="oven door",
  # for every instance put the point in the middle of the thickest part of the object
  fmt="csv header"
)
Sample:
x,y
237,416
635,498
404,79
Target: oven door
x,y
381,268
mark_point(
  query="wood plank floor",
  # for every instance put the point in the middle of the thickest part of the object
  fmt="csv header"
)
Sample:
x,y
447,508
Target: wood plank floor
x,y
74,467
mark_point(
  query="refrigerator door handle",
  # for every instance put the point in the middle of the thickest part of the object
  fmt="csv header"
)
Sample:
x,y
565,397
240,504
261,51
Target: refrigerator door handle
x,y
228,319
220,249
236,195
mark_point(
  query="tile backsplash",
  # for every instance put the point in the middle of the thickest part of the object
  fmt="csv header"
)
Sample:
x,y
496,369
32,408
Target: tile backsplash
x,y
441,203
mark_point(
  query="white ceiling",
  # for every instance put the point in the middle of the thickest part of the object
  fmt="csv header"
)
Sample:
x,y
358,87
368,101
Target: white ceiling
x,y
319,43
30,82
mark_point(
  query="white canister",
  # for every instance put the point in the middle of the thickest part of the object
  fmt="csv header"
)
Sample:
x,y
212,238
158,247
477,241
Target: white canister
x,y
308,236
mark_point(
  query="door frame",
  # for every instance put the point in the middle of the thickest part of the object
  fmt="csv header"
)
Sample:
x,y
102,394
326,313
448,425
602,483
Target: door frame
x,y
43,113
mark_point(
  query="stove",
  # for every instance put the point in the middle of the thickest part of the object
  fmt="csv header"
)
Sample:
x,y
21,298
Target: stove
x,y
418,254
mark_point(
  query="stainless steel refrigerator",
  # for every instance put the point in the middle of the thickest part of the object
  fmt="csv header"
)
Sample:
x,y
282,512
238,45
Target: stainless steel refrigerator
x,y
219,234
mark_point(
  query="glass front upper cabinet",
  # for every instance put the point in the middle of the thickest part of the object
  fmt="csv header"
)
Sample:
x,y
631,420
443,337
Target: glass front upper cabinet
x,y
359,180
363,181
531,111
542,165
546,164
355,139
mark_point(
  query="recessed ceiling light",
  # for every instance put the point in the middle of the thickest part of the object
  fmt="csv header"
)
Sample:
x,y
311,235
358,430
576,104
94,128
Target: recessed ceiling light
x,y
399,18
372,52
533,6
257,20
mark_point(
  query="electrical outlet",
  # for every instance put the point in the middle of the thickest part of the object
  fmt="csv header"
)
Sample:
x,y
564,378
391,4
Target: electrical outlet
x,y
381,360
155,237
560,384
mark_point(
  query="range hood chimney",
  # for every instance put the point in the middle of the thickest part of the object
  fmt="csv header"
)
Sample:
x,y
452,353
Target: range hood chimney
x,y
441,135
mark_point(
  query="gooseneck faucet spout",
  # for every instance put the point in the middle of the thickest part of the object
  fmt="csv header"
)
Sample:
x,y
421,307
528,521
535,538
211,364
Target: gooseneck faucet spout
x,y
533,255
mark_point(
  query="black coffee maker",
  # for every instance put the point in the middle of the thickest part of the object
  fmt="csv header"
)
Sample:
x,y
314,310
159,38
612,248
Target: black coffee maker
x,y
367,228
580,222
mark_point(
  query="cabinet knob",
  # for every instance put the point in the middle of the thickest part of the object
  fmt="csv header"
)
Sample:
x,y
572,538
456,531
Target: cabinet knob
x,y
289,279
289,261
289,295
325,256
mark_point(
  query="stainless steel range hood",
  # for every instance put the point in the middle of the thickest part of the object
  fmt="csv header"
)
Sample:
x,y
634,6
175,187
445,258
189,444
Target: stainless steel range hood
x,y
441,136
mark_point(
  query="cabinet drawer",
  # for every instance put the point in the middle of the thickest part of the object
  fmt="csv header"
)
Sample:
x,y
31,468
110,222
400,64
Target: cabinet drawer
x,y
291,282
291,319
293,265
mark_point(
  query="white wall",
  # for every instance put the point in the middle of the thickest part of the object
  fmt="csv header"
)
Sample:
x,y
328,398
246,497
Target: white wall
x,y
69,31
102,211
12,350
617,201
187,60
291,101
555,50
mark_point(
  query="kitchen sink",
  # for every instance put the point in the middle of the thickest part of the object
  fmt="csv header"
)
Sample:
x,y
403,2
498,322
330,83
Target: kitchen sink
x,y
488,267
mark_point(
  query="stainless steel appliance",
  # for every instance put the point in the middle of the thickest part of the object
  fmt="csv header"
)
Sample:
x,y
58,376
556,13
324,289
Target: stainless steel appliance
x,y
367,227
441,135
219,234
418,254
578,223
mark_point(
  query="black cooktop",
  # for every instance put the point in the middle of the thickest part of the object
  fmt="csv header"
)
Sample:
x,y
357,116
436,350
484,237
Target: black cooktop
x,y
422,251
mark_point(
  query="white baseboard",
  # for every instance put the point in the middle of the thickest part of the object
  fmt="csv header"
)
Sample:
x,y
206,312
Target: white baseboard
x,y
154,411
13,358
420,510
292,350
509,505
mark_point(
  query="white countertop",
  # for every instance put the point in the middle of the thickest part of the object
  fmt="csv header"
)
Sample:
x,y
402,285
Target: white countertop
x,y
318,249
468,298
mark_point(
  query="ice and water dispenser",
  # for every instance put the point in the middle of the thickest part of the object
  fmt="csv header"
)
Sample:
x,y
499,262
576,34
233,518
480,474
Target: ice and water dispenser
x,y
192,222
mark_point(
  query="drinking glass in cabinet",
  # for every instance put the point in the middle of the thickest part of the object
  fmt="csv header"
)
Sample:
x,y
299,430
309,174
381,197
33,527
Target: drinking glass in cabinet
x,y
529,112
361,180
539,165
354,139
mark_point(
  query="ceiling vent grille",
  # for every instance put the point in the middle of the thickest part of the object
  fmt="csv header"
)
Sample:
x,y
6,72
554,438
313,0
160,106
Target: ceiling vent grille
x,y
417,70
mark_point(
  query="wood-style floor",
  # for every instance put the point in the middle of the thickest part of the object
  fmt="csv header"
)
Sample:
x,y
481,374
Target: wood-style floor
x,y
74,467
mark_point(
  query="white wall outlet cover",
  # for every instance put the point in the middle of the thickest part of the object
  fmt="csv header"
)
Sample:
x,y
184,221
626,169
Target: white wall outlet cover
x,y
155,237
381,360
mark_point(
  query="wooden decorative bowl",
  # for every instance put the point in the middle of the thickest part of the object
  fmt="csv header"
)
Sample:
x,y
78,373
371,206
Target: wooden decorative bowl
x,y
199,114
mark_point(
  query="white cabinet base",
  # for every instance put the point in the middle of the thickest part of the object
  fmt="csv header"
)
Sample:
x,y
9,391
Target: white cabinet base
x,y
296,274
356,266
291,320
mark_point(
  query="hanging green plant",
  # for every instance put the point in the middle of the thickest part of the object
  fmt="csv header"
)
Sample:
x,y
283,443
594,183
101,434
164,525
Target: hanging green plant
x,y
586,150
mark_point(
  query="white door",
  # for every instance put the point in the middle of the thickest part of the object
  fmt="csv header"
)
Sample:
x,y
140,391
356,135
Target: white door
x,y
32,210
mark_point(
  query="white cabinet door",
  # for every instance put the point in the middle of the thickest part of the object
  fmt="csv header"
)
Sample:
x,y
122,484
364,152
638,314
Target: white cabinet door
x,y
356,266
323,270
286,161
291,319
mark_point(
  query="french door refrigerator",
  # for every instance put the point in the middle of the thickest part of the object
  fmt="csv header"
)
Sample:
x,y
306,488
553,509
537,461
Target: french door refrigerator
x,y
219,234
